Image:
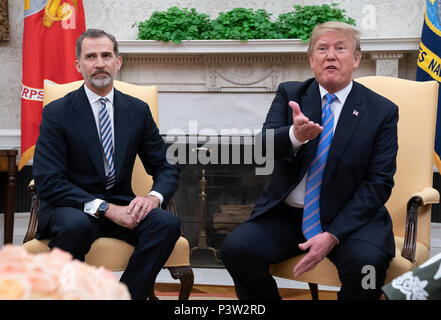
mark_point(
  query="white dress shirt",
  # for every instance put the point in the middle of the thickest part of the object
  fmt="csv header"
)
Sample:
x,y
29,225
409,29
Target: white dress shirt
x,y
297,196
92,206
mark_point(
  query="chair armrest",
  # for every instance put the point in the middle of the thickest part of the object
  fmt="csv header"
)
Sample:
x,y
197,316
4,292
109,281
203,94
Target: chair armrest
x,y
427,196
33,219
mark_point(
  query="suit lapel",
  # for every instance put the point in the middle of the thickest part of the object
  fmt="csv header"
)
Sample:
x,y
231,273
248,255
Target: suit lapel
x,y
122,121
311,106
351,114
84,121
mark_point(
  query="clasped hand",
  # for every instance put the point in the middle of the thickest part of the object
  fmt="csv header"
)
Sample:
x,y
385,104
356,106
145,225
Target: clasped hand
x,y
130,216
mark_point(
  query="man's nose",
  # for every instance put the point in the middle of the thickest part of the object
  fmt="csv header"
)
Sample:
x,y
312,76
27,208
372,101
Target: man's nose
x,y
331,54
99,62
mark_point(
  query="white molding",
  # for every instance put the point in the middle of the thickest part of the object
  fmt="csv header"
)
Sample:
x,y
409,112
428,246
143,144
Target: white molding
x,y
21,221
390,44
10,139
272,46
435,238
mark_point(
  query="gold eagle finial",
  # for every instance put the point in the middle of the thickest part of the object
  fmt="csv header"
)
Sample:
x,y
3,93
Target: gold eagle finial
x,y
53,11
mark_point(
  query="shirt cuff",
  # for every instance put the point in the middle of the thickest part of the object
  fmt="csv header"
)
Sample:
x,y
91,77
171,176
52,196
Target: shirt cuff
x,y
157,195
295,143
91,207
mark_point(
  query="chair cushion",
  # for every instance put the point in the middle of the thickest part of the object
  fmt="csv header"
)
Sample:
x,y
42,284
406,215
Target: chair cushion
x,y
114,254
325,272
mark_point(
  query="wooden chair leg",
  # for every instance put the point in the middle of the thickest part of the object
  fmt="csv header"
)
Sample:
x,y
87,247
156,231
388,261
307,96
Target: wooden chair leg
x,y
186,277
313,287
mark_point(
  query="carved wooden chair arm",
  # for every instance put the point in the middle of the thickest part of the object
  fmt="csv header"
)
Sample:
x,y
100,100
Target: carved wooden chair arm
x,y
420,199
171,207
35,205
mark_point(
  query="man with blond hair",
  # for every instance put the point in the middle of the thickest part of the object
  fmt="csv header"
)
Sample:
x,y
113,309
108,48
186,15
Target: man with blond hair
x,y
335,157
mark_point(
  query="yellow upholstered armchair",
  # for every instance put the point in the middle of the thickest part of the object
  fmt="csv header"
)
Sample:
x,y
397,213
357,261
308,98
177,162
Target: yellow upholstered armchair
x,y
114,254
412,196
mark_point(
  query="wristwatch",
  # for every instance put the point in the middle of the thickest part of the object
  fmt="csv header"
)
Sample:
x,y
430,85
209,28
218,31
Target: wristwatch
x,y
102,209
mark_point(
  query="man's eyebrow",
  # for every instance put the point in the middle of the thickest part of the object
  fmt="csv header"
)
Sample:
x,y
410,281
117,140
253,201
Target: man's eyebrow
x,y
96,53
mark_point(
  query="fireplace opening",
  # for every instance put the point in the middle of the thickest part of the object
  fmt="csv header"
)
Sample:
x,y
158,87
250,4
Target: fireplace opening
x,y
214,197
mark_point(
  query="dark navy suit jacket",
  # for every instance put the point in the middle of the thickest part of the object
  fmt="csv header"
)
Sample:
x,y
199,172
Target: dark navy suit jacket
x,y
68,166
361,163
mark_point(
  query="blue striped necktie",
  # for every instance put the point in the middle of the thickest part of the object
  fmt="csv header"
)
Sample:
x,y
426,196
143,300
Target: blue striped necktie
x,y
311,211
106,140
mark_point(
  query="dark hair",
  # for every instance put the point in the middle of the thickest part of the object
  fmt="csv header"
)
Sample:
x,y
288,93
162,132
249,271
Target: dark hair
x,y
94,33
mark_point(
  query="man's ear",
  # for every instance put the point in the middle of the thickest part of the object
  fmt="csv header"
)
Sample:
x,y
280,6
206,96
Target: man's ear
x,y
78,66
119,62
357,59
311,61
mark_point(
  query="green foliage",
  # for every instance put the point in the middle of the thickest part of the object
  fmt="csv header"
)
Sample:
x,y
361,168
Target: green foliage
x,y
243,24
300,22
177,24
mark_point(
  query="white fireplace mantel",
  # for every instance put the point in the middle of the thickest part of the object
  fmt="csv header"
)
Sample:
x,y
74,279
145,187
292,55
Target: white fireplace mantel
x,y
246,66
196,47
211,85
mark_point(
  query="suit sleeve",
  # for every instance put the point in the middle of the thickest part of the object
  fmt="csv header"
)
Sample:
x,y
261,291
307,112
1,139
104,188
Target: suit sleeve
x,y
153,156
276,126
50,165
376,187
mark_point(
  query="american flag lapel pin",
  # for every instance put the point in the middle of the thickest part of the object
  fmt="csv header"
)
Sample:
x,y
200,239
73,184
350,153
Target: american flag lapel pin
x,y
355,113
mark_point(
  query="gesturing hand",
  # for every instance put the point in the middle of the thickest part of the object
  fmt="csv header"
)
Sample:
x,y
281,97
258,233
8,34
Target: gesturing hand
x,y
304,129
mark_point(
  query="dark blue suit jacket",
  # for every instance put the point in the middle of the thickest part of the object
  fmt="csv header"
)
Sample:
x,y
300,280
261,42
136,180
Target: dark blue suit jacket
x,y
358,177
68,166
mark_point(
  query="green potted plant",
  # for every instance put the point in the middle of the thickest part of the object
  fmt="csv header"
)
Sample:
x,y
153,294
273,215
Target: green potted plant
x,y
300,22
244,24
175,24
178,24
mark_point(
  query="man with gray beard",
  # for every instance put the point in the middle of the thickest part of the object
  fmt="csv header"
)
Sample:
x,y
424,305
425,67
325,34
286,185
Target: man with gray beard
x,y
83,165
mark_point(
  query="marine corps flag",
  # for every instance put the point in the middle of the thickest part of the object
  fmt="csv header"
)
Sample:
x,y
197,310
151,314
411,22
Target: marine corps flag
x,y
51,28
429,61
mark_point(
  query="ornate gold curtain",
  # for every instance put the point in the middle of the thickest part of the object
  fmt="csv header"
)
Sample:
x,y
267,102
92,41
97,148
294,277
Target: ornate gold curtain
x,y
4,21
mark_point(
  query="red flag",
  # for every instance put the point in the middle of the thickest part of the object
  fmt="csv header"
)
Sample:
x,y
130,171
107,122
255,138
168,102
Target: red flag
x,y
51,28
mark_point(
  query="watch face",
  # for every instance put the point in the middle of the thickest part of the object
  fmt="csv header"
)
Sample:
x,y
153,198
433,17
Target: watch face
x,y
103,206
